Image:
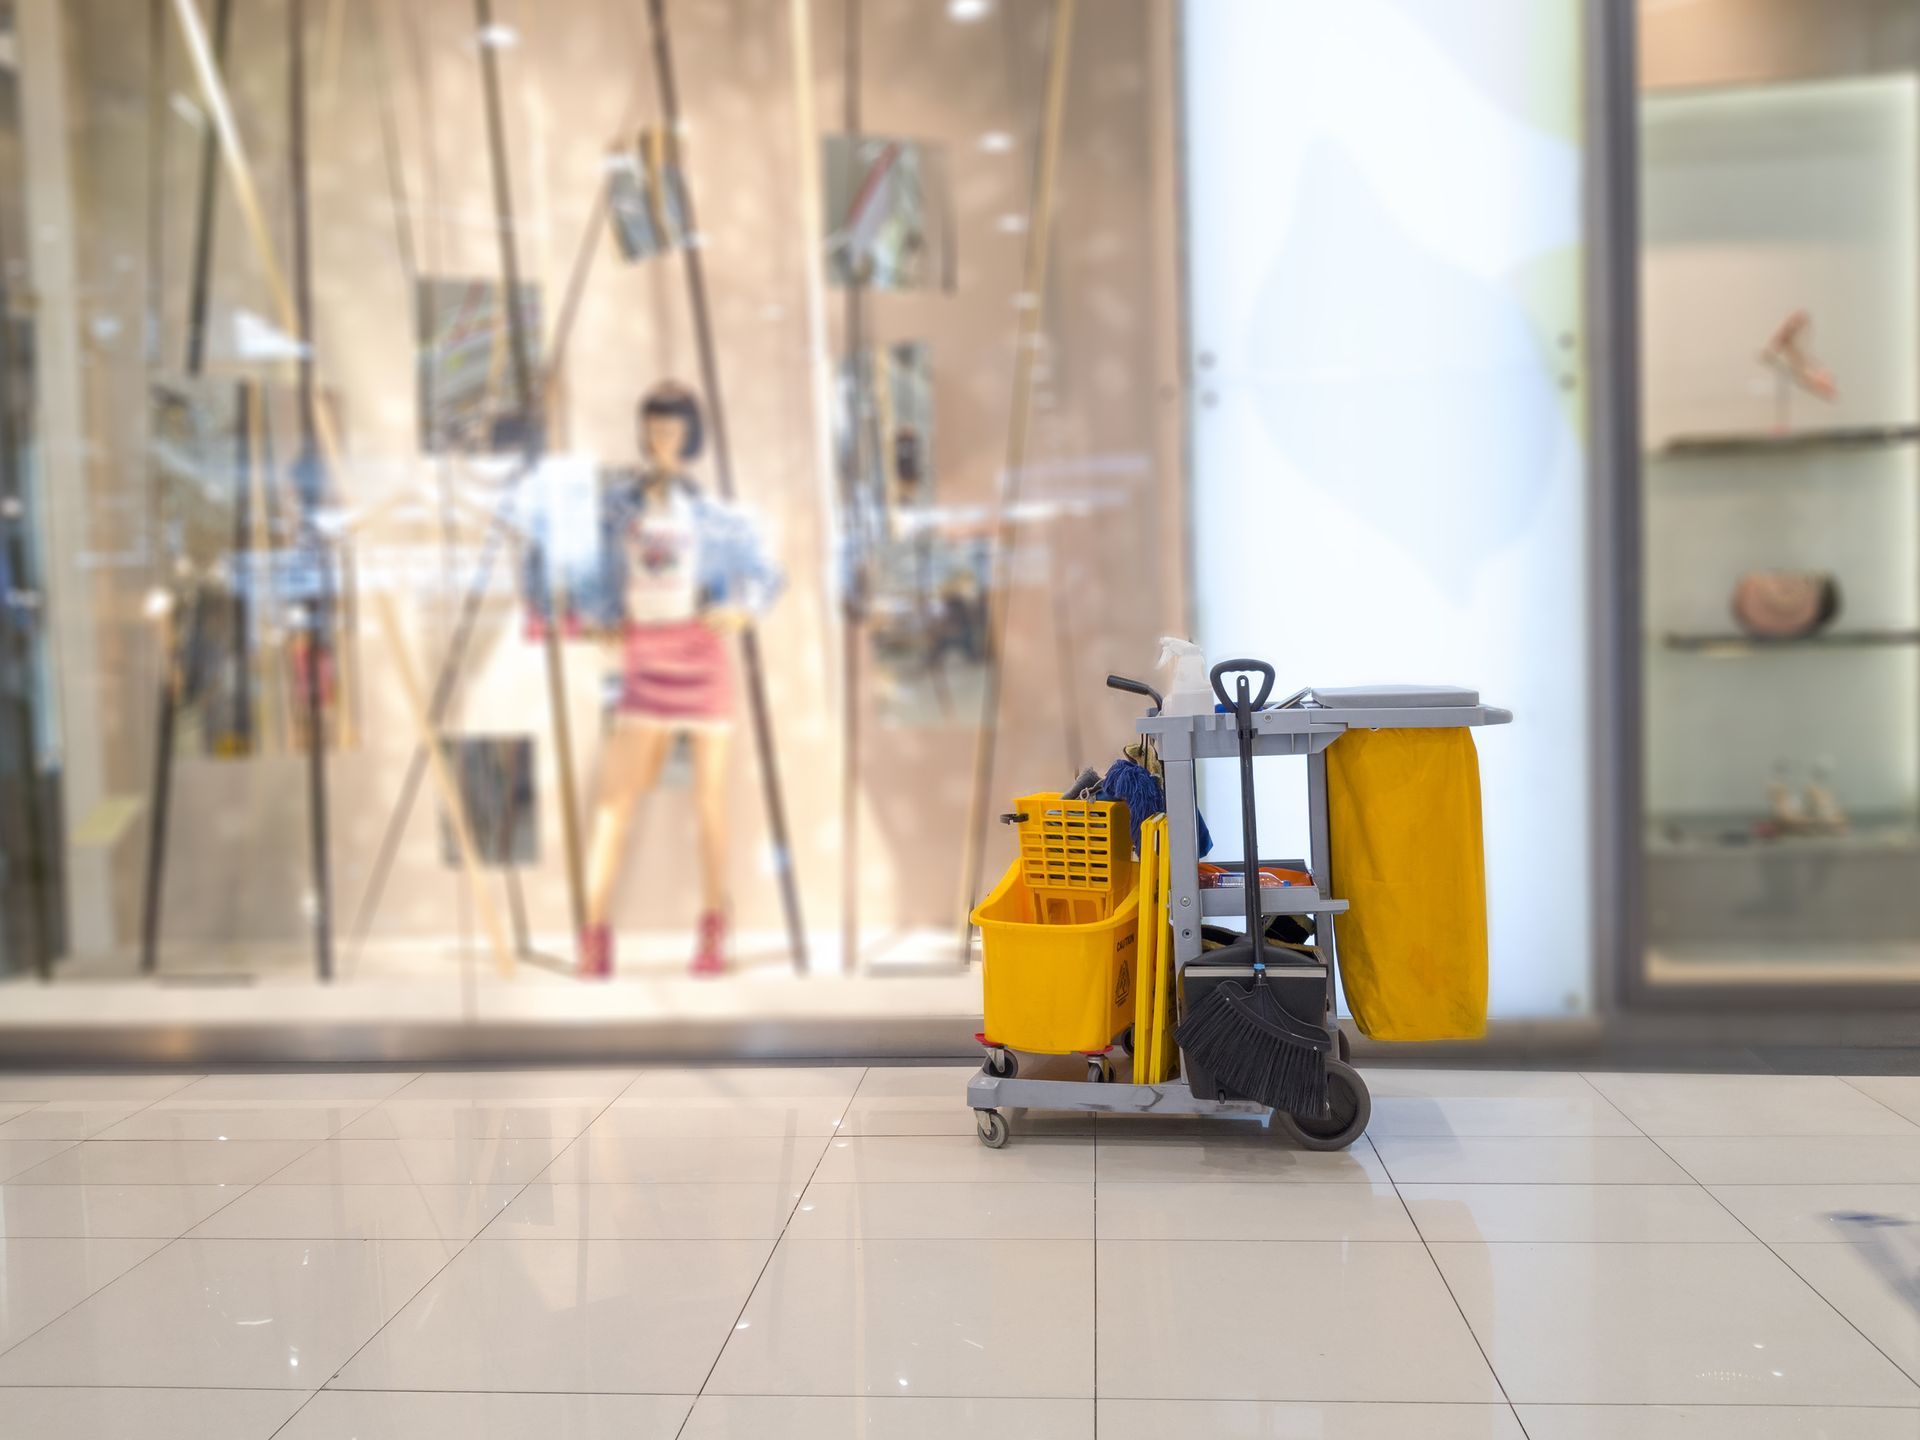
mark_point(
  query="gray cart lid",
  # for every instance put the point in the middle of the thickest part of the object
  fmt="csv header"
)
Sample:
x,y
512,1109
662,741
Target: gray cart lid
x,y
1391,697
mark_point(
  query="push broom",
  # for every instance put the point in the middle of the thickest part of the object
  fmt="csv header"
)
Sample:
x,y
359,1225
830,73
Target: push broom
x,y
1244,1037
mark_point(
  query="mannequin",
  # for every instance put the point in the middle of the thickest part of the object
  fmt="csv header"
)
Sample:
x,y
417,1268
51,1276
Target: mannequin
x,y
679,574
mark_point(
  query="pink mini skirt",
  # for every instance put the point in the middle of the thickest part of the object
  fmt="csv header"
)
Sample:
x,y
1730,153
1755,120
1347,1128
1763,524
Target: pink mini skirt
x,y
677,673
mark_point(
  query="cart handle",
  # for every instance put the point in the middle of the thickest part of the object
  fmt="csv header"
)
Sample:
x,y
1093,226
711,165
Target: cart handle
x,y
1136,687
1233,667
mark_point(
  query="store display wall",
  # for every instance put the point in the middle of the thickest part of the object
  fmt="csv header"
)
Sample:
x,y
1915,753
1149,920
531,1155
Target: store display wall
x,y
1780,165
395,99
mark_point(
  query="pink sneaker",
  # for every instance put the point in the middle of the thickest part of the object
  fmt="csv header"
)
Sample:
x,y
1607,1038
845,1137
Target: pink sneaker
x,y
710,958
596,953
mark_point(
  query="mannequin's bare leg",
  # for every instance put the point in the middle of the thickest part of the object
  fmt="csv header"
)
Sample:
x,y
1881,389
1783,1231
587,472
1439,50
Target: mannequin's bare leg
x,y
630,764
710,751
710,777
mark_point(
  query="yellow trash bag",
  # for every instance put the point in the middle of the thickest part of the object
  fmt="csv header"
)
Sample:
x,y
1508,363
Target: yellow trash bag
x,y
1403,807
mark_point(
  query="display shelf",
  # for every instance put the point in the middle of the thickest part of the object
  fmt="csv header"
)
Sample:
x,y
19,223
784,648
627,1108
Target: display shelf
x,y
1788,442
1732,837
1735,645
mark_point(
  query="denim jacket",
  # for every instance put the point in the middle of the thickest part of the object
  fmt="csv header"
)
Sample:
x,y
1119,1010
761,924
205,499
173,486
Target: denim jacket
x,y
730,559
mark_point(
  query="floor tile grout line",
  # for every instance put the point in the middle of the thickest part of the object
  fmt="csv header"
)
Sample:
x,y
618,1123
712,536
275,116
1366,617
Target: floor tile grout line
x,y
1782,1261
159,1250
1459,1309
1875,1099
1421,1236
765,1265
137,1110
1585,1079
1607,1100
1913,1126
1687,1184
1326,1403
168,1242
458,1250
295,1415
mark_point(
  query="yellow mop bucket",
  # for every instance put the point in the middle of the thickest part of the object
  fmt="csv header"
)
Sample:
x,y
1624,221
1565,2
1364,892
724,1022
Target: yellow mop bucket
x,y
1053,988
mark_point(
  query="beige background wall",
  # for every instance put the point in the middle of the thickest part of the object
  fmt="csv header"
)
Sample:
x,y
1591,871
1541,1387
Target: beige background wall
x,y
1735,42
1106,434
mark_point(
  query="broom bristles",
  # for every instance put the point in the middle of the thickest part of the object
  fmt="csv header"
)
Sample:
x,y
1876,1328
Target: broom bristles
x,y
1270,1057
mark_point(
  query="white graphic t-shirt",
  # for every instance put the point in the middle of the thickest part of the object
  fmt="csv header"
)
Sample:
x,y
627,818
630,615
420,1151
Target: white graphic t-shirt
x,y
663,583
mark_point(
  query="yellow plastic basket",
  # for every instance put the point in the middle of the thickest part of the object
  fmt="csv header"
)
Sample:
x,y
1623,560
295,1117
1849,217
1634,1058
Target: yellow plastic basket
x,y
1053,988
1069,858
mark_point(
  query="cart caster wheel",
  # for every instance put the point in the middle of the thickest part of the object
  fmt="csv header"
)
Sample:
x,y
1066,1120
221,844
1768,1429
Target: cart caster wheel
x,y
1350,1108
992,1126
1097,1071
1345,1045
1002,1064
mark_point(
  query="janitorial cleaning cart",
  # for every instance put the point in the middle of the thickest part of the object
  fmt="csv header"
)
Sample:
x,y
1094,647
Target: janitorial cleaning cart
x,y
1090,954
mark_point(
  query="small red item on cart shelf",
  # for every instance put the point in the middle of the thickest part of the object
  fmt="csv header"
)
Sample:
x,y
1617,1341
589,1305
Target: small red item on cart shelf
x,y
1272,877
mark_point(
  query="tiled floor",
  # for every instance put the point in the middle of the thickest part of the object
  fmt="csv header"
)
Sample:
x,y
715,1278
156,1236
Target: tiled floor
x,y
801,1253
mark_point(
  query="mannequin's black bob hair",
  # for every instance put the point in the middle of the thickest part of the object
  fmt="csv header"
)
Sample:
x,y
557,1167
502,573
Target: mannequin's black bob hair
x,y
670,398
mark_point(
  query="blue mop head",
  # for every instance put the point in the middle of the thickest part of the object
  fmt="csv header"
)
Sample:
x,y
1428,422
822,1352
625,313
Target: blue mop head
x,y
1145,797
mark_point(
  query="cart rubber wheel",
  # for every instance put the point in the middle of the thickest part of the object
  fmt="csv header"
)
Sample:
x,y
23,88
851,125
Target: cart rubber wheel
x,y
1097,1071
1002,1064
1346,1046
1351,1108
992,1126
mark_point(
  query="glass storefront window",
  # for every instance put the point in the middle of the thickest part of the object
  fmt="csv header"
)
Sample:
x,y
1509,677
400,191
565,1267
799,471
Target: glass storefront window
x,y
1781,361
496,492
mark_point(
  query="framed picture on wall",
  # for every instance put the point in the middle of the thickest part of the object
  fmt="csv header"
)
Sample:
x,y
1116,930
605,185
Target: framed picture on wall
x,y
241,578
889,213
495,777
928,619
469,402
646,198
883,426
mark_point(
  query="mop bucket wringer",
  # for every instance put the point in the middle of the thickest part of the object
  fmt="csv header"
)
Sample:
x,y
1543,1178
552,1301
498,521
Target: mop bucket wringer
x,y
1059,933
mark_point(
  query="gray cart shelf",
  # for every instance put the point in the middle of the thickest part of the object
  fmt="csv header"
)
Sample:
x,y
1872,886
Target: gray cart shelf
x,y
1305,725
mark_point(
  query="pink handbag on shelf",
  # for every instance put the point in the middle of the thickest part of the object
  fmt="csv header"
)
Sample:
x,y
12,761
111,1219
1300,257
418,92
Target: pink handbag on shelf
x,y
1785,604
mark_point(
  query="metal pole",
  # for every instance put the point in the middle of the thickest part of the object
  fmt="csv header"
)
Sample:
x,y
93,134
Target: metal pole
x,y
160,801
198,296
1026,335
1616,559
16,658
240,612
723,471
156,175
531,425
310,483
853,603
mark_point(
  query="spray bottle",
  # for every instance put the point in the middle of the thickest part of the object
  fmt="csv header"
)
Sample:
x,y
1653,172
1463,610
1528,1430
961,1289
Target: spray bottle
x,y
1189,692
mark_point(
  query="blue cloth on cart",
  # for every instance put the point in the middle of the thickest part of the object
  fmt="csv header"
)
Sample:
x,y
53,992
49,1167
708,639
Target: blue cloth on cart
x,y
1145,795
